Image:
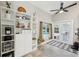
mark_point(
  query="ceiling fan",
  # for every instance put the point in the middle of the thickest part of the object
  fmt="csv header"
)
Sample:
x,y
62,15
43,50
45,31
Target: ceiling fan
x,y
63,9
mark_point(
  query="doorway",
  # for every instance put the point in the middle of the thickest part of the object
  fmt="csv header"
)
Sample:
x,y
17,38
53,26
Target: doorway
x,y
65,32
45,32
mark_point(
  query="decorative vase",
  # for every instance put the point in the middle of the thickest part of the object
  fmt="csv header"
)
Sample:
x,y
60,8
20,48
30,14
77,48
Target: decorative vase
x,y
8,16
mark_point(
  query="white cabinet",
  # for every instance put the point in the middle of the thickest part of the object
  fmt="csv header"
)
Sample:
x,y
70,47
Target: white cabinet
x,y
27,37
23,43
19,45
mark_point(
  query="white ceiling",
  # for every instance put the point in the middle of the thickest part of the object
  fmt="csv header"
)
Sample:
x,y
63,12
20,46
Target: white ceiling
x,y
50,5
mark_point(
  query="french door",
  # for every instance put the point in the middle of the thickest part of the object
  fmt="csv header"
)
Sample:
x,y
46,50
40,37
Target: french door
x,y
65,31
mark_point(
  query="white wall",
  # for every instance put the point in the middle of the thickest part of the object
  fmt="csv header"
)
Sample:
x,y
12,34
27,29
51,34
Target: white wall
x,y
72,14
40,14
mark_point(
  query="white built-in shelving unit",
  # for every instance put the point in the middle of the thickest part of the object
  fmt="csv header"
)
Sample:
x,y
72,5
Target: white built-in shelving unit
x,y
16,41
34,32
7,32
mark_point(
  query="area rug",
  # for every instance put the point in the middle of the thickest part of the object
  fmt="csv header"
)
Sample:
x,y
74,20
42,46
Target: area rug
x,y
61,45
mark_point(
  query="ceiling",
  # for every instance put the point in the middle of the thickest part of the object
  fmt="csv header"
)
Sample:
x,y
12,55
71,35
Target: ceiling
x,y
50,5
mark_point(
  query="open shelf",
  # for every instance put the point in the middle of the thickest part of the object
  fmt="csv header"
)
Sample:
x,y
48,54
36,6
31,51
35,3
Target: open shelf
x,y
7,51
5,19
7,41
8,35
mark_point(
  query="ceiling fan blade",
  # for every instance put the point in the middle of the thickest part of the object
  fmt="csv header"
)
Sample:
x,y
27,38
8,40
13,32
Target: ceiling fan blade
x,y
57,12
65,10
61,6
70,5
54,10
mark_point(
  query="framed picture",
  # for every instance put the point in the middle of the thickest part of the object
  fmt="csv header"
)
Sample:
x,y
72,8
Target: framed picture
x,y
56,29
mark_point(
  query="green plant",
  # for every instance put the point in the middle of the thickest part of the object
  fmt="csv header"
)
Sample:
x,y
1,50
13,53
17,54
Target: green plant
x,y
8,4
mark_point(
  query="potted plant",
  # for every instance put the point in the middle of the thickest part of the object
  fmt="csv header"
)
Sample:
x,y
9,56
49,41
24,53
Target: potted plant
x,y
8,15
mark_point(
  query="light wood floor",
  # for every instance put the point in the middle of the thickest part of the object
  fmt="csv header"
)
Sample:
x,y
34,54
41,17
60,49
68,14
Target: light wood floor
x,y
49,51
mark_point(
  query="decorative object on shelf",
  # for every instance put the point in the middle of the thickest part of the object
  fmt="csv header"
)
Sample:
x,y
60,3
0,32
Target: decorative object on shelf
x,y
22,22
7,30
8,4
21,9
7,46
8,15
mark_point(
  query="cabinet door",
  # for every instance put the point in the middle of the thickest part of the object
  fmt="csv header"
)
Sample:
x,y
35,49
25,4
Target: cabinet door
x,y
19,45
27,37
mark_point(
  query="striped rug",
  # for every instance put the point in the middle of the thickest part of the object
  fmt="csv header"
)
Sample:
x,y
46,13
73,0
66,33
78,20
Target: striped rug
x,y
61,45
